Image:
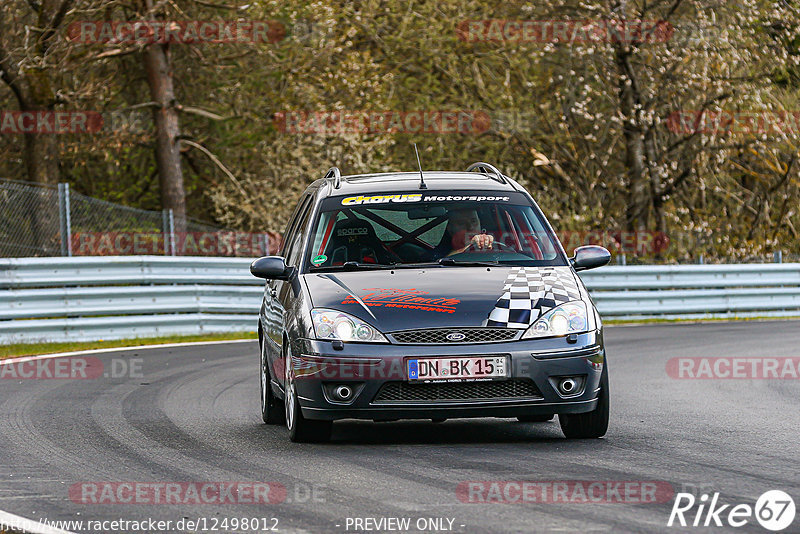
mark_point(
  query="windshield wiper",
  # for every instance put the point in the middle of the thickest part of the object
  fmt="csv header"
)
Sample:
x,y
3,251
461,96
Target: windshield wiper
x,y
353,266
359,265
356,265
451,261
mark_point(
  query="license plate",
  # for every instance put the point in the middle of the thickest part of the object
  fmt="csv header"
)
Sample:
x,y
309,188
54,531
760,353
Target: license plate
x,y
458,369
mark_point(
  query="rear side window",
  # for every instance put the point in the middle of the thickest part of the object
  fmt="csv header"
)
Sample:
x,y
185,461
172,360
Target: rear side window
x,y
294,229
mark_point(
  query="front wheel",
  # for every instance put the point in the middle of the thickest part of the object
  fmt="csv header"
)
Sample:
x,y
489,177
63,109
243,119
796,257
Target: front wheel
x,y
592,424
271,406
301,430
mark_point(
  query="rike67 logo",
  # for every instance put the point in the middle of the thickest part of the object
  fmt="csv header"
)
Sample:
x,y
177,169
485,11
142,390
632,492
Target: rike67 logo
x,y
774,511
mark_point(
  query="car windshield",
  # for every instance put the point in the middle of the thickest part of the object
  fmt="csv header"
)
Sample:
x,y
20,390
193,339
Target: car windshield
x,y
407,229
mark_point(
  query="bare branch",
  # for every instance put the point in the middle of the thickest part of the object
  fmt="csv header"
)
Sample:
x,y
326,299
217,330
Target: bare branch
x,y
216,6
218,163
117,52
201,112
672,9
674,184
9,72
55,23
142,105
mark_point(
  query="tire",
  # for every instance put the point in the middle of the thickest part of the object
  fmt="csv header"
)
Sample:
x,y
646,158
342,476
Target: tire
x,y
272,411
592,424
301,430
535,418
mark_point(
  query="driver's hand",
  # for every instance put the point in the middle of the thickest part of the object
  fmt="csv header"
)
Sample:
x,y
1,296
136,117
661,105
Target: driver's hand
x,y
482,241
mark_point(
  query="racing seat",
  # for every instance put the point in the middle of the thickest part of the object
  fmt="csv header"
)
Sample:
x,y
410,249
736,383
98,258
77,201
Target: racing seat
x,y
356,240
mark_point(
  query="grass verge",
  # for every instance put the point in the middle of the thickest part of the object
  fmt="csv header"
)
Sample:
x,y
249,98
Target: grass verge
x,y
697,320
29,349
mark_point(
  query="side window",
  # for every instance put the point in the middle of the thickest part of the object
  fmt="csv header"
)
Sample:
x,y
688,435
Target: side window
x,y
291,227
534,229
322,234
299,235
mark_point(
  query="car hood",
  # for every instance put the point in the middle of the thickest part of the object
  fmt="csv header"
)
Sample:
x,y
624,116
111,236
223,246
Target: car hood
x,y
404,299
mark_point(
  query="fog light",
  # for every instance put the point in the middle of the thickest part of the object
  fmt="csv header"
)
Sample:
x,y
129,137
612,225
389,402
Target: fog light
x,y
567,386
343,393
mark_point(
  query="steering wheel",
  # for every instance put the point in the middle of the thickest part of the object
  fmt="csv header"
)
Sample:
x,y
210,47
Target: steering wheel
x,y
473,247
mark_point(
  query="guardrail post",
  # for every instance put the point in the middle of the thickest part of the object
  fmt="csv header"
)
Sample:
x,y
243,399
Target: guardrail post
x,y
165,230
172,231
778,256
64,219
168,230
622,259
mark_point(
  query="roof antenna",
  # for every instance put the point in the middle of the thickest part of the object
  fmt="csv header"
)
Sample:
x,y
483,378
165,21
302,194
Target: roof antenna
x,y
421,178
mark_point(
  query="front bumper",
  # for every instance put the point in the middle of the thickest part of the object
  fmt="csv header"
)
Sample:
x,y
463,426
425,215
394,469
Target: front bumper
x,y
370,368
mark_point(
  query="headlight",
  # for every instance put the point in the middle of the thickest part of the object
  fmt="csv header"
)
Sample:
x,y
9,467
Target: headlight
x,y
569,318
332,324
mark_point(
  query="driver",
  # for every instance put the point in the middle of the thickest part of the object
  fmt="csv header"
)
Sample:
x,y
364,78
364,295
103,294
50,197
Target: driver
x,y
463,230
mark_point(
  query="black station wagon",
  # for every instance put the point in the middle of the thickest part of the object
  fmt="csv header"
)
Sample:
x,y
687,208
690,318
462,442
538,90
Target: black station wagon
x,y
435,296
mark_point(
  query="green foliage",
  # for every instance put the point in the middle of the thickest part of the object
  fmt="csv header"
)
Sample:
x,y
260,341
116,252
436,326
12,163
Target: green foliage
x,y
13,350
565,117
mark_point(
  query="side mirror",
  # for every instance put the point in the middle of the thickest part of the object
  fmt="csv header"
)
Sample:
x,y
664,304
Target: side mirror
x,y
590,257
270,268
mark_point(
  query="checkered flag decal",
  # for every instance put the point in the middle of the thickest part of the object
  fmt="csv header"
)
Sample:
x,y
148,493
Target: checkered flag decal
x,y
530,292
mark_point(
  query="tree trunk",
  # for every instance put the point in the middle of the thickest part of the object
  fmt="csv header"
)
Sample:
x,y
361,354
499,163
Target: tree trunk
x,y
33,89
42,164
42,156
639,197
168,158
34,93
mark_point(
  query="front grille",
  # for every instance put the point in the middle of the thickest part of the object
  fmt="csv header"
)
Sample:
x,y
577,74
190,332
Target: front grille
x,y
449,391
435,336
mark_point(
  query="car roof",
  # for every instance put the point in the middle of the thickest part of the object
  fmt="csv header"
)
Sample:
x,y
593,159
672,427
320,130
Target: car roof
x,y
407,181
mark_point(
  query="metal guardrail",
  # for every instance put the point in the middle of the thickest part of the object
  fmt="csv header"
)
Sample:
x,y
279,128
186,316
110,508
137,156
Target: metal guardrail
x,y
90,298
696,291
124,270
120,297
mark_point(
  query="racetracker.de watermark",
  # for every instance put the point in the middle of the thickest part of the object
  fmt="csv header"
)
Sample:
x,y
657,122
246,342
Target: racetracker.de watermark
x,y
725,367
75,122
184,243
372,122
565,31
186,32
564,491
636,243
783,123
326,368
177,493
69,368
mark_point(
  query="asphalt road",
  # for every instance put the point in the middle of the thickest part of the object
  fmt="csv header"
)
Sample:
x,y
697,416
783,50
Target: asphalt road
x,y
191,414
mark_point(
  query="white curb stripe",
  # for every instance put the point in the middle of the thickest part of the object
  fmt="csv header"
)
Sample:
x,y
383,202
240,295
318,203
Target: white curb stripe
x,y
20,524
9,361
17,523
